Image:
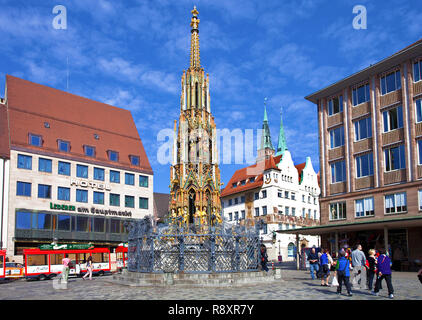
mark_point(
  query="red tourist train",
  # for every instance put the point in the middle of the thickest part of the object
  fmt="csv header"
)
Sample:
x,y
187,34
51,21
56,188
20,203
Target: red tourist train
x,y
121,256
46,264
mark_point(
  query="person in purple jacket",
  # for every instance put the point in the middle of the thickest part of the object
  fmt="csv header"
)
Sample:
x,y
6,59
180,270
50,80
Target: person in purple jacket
x,y
384,272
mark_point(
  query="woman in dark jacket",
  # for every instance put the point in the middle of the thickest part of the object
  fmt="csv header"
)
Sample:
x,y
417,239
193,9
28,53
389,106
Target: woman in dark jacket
x,y
370,271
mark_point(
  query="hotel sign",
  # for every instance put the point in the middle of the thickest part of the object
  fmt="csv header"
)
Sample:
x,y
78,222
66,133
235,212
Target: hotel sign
x,y
91,184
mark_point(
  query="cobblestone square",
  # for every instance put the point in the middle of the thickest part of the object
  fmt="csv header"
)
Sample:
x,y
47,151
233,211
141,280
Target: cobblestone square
x,y
295,285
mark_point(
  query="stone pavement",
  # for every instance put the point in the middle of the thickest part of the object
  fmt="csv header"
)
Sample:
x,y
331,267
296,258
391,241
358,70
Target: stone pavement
x,y
296,285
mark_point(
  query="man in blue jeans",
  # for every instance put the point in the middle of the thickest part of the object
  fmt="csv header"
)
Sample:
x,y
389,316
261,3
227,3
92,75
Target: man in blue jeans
x,y
313,262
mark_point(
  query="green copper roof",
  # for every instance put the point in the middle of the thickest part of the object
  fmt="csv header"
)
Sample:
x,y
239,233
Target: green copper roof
x,y
282,145
266,135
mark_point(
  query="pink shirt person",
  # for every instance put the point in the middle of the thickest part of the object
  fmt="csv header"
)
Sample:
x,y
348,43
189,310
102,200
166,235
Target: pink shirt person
x,y
66,262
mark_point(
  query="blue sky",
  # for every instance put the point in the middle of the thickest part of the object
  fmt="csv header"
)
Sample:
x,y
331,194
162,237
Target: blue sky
x,y
131,54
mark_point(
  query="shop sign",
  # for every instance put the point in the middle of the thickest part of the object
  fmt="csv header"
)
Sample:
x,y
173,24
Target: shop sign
x,y
64,207
72,246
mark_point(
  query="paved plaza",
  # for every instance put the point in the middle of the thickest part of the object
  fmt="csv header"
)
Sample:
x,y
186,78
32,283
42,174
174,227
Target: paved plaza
x,y
296,285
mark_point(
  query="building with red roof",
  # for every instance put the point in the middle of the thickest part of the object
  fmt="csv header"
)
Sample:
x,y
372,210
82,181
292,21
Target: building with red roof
x,y
78,169
282,195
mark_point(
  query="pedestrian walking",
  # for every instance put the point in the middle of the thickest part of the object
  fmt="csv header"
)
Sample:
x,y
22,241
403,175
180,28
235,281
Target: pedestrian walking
x,y
66,267
264,257
325,266
343,273
359,269
384,272
371,266
88,268
313,263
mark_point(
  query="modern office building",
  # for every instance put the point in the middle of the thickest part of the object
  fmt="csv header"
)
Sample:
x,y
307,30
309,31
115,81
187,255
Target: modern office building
x,y
370,143
282,195
78,170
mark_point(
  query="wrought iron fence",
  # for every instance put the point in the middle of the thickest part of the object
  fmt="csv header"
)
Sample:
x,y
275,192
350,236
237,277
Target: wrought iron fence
x,y
170,248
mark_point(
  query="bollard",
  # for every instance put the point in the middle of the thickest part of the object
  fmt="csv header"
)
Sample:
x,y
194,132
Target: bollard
x,y
272,263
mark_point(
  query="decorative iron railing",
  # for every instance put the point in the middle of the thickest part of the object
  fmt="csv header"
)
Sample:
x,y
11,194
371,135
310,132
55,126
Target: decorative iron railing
x,y
172,248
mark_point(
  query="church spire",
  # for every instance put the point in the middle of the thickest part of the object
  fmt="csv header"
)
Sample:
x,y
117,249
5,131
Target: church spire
x,y
194,42
266,135
282,145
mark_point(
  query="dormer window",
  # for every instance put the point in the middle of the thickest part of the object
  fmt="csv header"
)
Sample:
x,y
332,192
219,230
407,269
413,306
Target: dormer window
x,y
89,151
134,160
234,185
35,140
113,155
243,182
63,146
252,179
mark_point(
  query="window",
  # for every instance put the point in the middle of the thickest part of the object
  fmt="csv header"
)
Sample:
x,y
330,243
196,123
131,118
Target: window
x,y
303,213
337,137
143,181
114,176
99,174
286,211
309,199
44,165
24,162
418,104
114,199
236,215
264,194
230,202
89,151
63,168
44,191
390,82
81,195
113,155
417,75
63,193
98,197
364,207
363,129
264,228
294,212
420,199
63,145
280,194
81,171
286,194
309,213
243,214
393,119
129,201
130,179
114,226
335,105
338,171
98,226
35,140
315,213
394,158
83,224
63,222
143,203
291,250
419,142
256,195
230,216
264,210
360,94
23,220
43,221
293,196
303,198
256,212
395,203
236,201
364,165
23,189
242,199
134,160
338,211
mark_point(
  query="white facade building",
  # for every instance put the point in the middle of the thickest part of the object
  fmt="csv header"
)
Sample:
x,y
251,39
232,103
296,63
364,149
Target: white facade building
x,y
274,190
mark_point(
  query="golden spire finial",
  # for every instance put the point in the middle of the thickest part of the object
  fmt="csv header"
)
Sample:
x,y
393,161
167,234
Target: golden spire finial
x,y
194,44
